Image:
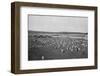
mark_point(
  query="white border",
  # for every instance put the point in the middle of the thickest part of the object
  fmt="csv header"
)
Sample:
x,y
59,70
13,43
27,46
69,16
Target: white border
x,y
25,64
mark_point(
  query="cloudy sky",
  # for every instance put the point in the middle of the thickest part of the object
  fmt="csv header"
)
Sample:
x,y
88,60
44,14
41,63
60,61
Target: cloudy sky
x,y
57,23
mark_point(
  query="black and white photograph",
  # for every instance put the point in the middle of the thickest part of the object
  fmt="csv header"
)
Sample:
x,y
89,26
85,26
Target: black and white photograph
x,y
52,37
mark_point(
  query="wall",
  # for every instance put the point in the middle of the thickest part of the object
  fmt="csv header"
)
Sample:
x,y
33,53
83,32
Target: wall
x,y
5,42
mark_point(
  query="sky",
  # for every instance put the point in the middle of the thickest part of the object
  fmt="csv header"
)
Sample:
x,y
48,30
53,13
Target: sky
x,y
57,23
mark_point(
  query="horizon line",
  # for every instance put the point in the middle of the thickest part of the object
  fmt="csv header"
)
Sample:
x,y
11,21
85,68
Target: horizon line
x,y
58,31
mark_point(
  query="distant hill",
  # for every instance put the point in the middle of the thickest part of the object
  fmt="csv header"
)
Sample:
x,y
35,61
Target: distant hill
x,y
43,32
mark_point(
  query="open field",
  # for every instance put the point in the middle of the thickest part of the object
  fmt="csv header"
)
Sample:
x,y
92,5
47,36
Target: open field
x,y
60,45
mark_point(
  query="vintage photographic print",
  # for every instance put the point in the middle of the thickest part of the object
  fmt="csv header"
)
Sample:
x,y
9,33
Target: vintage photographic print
x,y
52,37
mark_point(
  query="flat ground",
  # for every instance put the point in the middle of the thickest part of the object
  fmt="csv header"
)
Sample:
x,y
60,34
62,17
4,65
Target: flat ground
x,y
56,46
